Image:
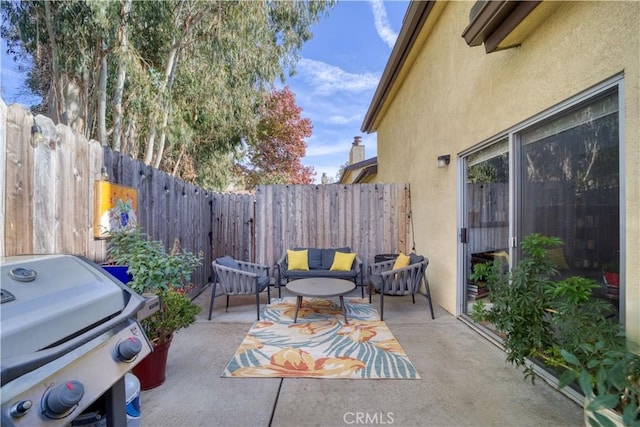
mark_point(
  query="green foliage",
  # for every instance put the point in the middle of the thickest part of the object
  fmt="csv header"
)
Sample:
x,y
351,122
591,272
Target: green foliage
x,y
177,312
519,306
611,266
484,271
579,319
158,272
152,268
609,378
562,325
205,64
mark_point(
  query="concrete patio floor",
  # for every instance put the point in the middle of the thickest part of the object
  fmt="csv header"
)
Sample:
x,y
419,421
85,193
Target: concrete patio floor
x,y
465,380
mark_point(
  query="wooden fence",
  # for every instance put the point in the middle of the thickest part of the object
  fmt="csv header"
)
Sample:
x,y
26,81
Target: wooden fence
x,y
371,219
47,205
48,192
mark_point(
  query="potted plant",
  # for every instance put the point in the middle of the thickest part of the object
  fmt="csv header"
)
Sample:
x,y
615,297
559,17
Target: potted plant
x,y
480,275
482,272
155,271
558,324
611,271
610,382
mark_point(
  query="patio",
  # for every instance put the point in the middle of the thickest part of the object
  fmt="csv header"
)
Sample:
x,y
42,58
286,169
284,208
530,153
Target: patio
x,y
465,380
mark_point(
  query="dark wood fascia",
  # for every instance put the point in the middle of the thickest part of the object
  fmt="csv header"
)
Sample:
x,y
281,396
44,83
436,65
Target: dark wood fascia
x,y
488,18
495,21
522,10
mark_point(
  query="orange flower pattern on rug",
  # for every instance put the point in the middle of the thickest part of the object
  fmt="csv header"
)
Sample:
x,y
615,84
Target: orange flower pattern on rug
x,y
320,345
291,362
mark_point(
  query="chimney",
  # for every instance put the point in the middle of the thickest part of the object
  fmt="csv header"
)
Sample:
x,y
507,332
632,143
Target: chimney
x,y
357,151
325,178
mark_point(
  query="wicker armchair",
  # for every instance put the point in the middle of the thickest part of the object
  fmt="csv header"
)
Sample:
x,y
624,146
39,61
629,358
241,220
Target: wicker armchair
x,y
401,281
234,277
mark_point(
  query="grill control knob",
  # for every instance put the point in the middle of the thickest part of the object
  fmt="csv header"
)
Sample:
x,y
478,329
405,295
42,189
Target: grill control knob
x,y
128,349
63,397
21,408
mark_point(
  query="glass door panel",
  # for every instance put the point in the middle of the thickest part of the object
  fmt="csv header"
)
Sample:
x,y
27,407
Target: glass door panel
x,y
570,188
486,217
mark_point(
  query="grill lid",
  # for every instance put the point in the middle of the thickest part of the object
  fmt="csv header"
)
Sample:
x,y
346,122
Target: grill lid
x,y
49,298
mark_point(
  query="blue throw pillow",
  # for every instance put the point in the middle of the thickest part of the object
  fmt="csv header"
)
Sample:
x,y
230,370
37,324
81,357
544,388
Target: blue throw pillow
x,y
227,261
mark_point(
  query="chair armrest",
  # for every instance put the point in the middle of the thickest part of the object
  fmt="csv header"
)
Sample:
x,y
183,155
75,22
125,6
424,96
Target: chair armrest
x,y
357,263
259,269
217,268
282,262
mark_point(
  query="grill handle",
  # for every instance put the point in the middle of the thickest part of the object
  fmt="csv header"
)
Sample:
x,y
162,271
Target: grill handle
x,y
17,366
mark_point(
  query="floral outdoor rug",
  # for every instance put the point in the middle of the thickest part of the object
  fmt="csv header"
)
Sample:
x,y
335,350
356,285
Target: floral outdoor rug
x,y
320,344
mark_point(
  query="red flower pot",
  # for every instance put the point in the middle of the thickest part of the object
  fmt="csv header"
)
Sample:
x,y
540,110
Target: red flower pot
x,y
151,370
612,279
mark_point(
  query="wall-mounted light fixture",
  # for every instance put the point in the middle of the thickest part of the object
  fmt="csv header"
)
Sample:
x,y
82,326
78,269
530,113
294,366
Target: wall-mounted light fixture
x,y
443,161
36,134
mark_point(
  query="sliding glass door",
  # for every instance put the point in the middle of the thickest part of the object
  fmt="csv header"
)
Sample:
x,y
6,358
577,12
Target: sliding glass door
x,y
556,175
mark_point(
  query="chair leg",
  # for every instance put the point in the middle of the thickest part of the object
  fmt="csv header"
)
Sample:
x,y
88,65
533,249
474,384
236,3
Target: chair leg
x,y
213,296
227,307
370,290
381,305
426,285
269,294
413,297
258,302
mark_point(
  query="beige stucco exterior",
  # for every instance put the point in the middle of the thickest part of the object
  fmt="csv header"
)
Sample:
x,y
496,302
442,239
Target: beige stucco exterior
x,y
450,97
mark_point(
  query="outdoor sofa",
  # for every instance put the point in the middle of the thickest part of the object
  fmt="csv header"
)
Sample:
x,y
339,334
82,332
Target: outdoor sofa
x,y
319,263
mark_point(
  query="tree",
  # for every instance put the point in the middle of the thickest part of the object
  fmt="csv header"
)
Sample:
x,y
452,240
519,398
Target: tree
x,y
274,155
175,83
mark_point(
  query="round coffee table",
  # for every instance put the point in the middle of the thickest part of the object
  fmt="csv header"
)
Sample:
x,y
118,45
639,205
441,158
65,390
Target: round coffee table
x,y
320,287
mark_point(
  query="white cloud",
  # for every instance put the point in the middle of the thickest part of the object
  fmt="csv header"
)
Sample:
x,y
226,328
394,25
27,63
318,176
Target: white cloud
x,y
383,28
326,149
343,120
327,79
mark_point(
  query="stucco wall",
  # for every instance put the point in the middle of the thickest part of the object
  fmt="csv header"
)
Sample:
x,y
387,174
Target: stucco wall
x,y
456,96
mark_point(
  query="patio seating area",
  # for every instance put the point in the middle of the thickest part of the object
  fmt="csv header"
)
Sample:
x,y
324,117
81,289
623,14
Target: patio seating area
x,y
465,380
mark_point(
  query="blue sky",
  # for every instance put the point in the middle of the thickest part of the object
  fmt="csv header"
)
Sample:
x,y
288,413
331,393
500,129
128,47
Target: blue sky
x,y
338,72
335,79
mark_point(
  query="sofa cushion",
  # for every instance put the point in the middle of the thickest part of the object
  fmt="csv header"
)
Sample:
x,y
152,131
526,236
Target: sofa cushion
x,y
342,261
315,259
328,255
227,261
298,260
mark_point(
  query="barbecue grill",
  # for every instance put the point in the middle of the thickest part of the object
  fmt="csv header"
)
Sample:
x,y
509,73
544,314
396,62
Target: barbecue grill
x,y
68,336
